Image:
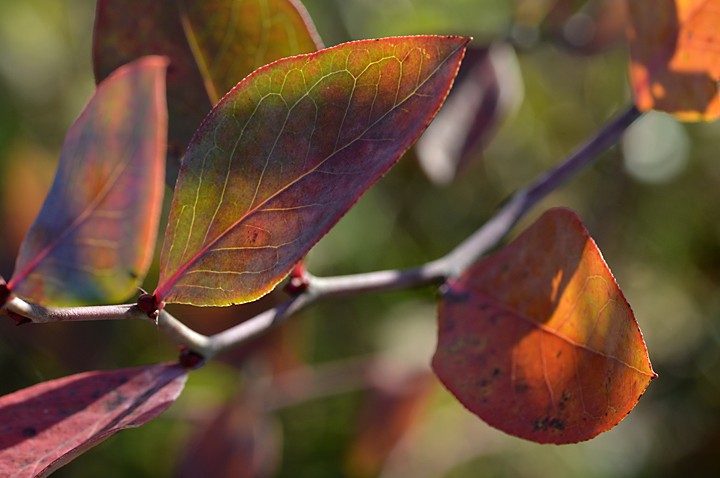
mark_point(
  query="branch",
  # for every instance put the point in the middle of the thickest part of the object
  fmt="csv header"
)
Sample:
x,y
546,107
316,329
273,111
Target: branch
x,y
318,288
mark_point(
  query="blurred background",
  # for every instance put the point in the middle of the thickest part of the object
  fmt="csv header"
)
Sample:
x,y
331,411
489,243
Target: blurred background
x,y
352,393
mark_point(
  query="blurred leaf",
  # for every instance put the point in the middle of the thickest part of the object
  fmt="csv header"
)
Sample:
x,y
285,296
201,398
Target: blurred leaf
x,y
49,424
488,89
538,340
241,441
212,45
94,237
285,154
26,181
587,26
675,57
391,409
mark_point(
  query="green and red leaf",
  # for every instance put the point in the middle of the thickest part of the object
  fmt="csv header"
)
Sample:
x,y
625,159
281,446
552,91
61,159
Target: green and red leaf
x,y
538,340
212,45
95,235
49,424
286,153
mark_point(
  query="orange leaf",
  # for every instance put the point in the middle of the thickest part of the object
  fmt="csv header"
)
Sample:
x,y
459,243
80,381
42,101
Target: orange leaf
x,y
538,340
675,57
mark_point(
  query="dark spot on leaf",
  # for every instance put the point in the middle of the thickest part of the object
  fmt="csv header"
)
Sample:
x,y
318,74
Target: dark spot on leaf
x,y
29,432
496,372
116,401
447,325
521,387
547,422
483,383
563,401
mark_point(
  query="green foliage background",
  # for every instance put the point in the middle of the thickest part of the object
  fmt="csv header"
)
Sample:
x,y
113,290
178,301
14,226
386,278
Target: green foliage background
x,y
651,205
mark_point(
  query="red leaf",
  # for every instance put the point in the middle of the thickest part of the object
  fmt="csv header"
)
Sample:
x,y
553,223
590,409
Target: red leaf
x,y
675,57
286,153
95,235
538,340
45,426
488,89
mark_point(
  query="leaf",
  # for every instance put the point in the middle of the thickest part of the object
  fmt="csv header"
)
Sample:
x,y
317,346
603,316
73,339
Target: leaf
x,y
675,57
212,45
286,153
45,426
538,340
94,237
393,405
26,181
488,89
241,441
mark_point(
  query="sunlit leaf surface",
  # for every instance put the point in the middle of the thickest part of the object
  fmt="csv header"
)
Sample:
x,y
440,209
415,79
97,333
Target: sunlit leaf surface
x,y
212,45
95,235
286,153
45,426
538,340
675,57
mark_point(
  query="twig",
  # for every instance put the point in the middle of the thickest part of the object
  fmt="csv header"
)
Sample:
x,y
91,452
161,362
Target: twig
x,y
318,288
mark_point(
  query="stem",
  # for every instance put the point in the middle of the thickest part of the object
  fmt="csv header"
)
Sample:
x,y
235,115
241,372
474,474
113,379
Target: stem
x,y
435,272
40,314
523,200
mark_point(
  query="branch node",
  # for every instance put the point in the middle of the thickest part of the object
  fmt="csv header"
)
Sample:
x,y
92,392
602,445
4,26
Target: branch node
x,y
299,280
190,359
148,303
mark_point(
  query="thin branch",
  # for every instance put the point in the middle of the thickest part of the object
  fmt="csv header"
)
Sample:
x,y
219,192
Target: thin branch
x,y
318,288
39,314
498,226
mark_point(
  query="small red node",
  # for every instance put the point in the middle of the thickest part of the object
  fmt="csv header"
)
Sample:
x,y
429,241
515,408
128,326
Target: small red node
x,y
190,359
298,282
148,303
